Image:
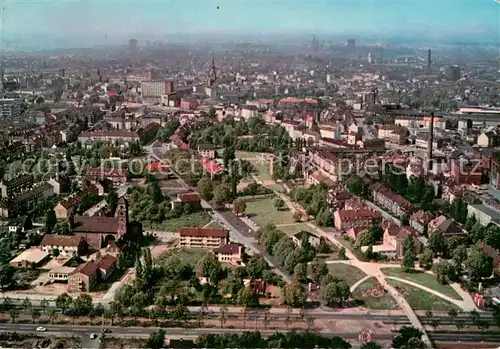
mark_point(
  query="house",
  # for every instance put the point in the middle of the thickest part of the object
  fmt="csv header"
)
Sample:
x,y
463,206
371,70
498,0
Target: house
x,y
314,241
30,257
316,178
464,171
208,151
107,265
494,254
230,253
60,273
489,139
484,214
186,198
346,219
394,239
66,245
115,175
419,221
64,207
447,226
354,232
203,237
394,203
84,278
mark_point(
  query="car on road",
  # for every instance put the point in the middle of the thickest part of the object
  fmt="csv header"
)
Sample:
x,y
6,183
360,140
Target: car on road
x,y
41,329
106,330
93,336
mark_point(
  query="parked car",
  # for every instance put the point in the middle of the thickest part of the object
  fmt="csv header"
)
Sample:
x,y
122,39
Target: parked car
x,y
93,336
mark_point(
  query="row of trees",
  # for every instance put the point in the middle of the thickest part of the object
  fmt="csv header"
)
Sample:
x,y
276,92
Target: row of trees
x,y
314,200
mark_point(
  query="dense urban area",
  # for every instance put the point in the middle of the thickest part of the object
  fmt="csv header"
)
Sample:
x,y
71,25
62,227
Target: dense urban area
x,y
239,195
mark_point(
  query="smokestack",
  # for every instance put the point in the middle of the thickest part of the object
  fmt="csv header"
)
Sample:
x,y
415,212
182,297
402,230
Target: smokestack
x,y
431,141
429,61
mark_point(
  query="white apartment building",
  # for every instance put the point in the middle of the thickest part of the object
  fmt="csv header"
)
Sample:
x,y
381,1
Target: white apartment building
x,y
203,237
10,107
156,88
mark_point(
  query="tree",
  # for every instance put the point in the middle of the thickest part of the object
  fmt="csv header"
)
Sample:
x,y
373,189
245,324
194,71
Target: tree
x,y
365,238
482,325
228,156
478,265
247,298
223,311
474,315
425,259
409,254
53,316
63,301
50,221
156,340
14,313
209,266
82,304
408,337
239,206
35,314
452,313
370,345
279,203
256,267
27,223
300,272
112,200
26,304
336,292
294,294
222,194
44,304
6,275
460,324
459,255
437,243
444,271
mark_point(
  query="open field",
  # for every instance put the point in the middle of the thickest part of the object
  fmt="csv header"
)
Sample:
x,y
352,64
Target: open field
x,y
370,301
293,229
189,255
197,219
424,279
347,272
262,168
420,299
263,212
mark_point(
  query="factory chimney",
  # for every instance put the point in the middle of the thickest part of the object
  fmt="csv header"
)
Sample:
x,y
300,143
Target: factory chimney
x,y
429,61
430,144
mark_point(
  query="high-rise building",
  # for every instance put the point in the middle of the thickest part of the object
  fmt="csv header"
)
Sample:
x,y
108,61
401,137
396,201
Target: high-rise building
x,y
351,44
10,107
429,61
454,73
132,47
156,88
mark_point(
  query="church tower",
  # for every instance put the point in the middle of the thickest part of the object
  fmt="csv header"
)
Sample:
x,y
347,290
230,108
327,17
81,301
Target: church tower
x,y
213,72
122,215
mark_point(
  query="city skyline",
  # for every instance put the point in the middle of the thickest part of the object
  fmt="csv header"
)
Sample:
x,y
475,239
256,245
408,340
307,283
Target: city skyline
x,y
111,22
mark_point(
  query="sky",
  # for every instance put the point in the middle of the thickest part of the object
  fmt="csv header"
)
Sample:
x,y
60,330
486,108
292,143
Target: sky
x,y
111,21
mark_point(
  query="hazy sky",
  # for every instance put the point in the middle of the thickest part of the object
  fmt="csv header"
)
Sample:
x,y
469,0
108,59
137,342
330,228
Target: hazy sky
x,y
141,19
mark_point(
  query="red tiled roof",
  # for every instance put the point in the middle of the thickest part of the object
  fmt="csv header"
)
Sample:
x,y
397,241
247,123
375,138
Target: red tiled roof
x,y
61,240
229,248
89,269
354,215
388,193
106,262
422,216
210,166
201,232
84,224
189,197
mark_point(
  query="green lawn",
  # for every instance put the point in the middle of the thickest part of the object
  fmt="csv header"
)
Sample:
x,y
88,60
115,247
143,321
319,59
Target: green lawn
x,y
197,219
291,230
262,168
248,154
189,255
420,299
263,212
347,272
383,302
424,279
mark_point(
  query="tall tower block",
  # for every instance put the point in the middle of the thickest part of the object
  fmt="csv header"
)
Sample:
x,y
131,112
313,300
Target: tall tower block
x,y
429,61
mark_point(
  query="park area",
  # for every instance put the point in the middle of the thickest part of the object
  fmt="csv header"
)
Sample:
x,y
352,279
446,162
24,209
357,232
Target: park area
x,y
196,219
423,279
371,294
420,299
346,272
263,212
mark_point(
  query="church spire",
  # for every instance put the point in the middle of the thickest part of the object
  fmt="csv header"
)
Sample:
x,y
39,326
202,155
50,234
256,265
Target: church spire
x,y
213,71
